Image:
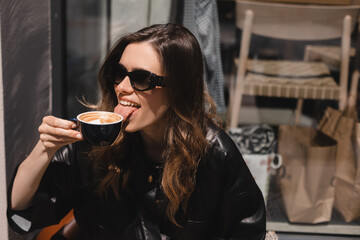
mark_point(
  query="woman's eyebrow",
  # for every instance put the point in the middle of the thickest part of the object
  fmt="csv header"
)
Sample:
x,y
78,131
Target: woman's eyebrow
x,y
134,69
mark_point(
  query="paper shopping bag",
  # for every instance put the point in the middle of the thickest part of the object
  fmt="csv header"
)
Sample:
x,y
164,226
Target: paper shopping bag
x,y
309,166
342,127
347,193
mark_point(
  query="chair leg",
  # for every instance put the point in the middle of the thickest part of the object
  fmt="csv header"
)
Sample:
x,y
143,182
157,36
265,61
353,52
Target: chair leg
x,y
298,111
235,110
354,88
231,93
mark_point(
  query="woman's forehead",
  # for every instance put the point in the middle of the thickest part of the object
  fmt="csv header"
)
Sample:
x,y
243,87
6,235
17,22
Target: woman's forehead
x,y
141,56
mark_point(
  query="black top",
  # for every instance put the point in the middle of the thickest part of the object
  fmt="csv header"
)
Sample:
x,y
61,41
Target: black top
x,y
226,204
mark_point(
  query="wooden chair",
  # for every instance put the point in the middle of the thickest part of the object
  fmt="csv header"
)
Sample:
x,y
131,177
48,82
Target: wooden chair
x,y
290,79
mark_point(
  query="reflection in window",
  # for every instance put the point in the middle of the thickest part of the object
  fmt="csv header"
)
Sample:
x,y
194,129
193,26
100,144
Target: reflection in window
x,y
91,25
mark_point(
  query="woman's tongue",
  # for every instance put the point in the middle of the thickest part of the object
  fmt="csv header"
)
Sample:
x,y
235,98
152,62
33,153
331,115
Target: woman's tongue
x,y
124,111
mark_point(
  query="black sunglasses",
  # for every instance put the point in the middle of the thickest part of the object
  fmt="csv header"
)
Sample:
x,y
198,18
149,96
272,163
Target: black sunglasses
x,y
141,80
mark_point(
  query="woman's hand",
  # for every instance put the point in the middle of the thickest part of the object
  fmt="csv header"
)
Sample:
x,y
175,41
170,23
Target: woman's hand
x,y
56,132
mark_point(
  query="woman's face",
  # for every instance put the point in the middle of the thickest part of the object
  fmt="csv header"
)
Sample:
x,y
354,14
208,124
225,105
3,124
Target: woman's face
x,y
142,110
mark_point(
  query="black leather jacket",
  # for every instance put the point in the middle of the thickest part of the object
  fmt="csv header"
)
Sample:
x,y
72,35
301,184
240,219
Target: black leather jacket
x,y
226,204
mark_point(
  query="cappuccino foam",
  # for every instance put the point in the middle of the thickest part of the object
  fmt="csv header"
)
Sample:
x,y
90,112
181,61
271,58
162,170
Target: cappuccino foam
x,y
100,118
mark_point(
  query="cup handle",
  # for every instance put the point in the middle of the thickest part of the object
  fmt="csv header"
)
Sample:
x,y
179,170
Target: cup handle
x,y
75,121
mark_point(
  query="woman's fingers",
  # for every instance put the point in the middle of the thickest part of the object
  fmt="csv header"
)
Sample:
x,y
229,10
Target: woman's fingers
x,y
56,132
53,142
58,122
57,138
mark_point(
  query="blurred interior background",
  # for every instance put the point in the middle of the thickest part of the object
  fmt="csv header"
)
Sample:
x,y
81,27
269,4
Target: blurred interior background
x,y
51,52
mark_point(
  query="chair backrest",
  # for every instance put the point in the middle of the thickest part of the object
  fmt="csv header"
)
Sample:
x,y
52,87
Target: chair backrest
x,y
292,22
313,22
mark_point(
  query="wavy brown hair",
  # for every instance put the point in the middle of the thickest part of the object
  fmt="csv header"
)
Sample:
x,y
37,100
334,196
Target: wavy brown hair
x,y
190,111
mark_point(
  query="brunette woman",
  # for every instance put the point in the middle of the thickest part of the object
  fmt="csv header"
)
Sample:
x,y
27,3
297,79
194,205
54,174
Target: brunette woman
x,y
171,174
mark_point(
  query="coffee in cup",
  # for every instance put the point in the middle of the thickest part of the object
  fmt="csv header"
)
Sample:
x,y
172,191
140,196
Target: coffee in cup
x,y
100,128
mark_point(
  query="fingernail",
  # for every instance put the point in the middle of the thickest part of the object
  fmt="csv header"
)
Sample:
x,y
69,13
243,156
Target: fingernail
x,y
79,136
73,126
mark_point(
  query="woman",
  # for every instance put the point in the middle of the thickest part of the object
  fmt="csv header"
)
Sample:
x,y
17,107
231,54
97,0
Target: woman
x,y
171,174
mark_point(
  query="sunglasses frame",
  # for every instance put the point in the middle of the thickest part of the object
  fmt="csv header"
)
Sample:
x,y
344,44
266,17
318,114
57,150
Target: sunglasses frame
x,y
154,80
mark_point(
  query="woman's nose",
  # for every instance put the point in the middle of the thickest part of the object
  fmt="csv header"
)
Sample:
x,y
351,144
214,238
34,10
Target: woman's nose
x,y
125,85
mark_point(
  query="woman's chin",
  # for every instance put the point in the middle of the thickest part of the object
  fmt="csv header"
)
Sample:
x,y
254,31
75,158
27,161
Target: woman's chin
x,y
129,128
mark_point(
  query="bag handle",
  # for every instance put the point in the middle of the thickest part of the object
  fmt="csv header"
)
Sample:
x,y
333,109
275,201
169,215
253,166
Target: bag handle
x,y
355,75
353,90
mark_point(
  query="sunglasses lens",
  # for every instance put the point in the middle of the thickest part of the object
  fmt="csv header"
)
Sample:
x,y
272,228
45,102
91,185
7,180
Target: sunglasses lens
x,y
119,73
140,79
